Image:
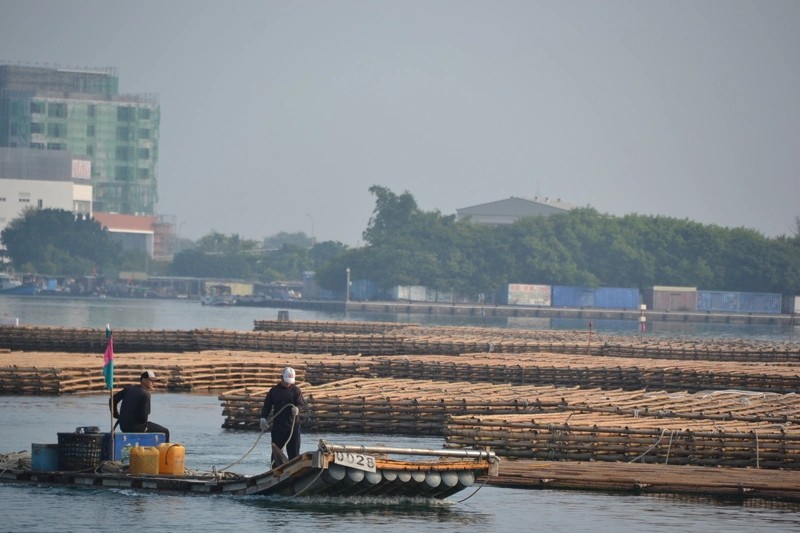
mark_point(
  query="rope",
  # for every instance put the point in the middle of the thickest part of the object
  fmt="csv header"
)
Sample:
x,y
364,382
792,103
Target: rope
x,y
261,434
242,457
485,481
300,493
650,448
669,447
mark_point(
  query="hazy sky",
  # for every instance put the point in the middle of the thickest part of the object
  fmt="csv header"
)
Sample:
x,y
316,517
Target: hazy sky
x,y
279,115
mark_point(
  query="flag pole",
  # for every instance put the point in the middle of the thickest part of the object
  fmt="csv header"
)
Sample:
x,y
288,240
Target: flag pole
x,y
108,374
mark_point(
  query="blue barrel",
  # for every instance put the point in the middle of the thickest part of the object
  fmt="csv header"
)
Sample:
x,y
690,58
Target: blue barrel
x,y
44,457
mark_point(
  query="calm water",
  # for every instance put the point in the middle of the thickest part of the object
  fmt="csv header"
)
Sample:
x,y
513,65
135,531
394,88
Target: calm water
x,y
195,420
184,315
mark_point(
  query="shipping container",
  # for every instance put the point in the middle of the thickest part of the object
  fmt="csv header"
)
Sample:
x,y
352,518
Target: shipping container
x,y
739,302
524,294
617,298
661,298
410,293
573,297
363,290
599,298
435,295
791,305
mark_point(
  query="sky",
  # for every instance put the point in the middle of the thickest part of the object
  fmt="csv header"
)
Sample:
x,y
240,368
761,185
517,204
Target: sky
x,y
279,115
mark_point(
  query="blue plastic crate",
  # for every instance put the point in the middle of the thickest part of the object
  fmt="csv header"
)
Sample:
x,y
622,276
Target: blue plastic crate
x,y
121,440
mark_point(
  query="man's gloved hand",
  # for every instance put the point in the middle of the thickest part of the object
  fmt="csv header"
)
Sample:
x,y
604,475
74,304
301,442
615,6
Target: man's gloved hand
x,y
295,410
264,424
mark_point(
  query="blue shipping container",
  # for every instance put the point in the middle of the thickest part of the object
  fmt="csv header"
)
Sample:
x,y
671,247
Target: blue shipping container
x,y
617,298
741,302
575,297
601,297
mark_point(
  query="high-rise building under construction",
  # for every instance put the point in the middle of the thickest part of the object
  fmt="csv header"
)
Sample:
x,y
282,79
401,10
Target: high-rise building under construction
x,y
82,111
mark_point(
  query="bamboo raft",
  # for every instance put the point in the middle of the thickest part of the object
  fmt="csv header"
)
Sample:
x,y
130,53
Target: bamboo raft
x,y
424,407
503,383
64,373
46,373
405,340
331,470
636,478
613,438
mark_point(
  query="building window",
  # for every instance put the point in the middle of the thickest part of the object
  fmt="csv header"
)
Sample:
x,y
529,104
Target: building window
x,y
37,146
89,150
144,173
37,127
123,173
91,110
13,128
124,153
126,114
57,110
24,200
90,130
2,199
57,130
56,146
144,153
39,203
124,133
37,107
144,133
144,113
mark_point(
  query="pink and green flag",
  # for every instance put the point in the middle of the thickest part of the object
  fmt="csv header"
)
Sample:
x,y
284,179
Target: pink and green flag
x,y
108,360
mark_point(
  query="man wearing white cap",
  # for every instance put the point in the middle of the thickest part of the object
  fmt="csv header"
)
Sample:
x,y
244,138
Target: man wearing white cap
x,y
136,407
282,407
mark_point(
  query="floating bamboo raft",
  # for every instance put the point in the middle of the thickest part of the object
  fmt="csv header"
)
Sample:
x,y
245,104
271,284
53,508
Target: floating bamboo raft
x,y
43,373
587,371
637,478
52,373
338,338
370,328
606,437
731,428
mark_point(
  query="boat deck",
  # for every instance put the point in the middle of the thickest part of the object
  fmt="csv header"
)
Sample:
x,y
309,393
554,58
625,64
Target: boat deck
x,y
332,470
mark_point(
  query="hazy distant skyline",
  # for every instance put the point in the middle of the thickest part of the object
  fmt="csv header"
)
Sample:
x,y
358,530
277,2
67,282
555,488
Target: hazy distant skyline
x,y
279,115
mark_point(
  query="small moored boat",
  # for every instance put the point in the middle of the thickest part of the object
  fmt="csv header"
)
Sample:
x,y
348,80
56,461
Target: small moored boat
x,y
331,470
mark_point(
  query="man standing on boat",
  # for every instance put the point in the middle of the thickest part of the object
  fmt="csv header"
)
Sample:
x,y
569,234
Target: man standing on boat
x,y
282,408
136,407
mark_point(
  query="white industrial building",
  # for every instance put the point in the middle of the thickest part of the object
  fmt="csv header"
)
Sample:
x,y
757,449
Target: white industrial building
x,y
512,209
43,179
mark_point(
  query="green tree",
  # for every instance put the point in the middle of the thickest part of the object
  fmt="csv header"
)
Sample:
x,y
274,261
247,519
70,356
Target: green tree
x,y
57,242
407,246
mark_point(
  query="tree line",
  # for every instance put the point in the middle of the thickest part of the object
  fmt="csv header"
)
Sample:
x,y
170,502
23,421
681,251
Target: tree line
x,y
404,245
407,246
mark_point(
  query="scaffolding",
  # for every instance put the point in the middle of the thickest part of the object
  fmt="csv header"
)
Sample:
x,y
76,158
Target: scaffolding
x,y
80,110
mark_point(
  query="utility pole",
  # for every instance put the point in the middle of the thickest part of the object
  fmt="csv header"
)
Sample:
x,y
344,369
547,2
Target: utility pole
x,y
347,288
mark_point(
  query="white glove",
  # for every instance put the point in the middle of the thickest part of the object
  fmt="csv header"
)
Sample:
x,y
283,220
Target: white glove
x,y
264,424
295,410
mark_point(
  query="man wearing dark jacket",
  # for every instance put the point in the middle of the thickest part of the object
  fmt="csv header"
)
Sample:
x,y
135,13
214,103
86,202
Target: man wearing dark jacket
x,y
282,405
136,407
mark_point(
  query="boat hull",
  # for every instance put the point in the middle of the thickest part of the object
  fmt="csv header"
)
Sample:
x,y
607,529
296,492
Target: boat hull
x,y
311,474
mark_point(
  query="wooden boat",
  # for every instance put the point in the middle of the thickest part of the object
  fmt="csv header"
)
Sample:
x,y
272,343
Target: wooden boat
x,y
331,470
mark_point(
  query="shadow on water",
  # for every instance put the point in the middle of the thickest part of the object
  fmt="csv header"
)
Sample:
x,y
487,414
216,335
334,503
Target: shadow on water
x,y
374,509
